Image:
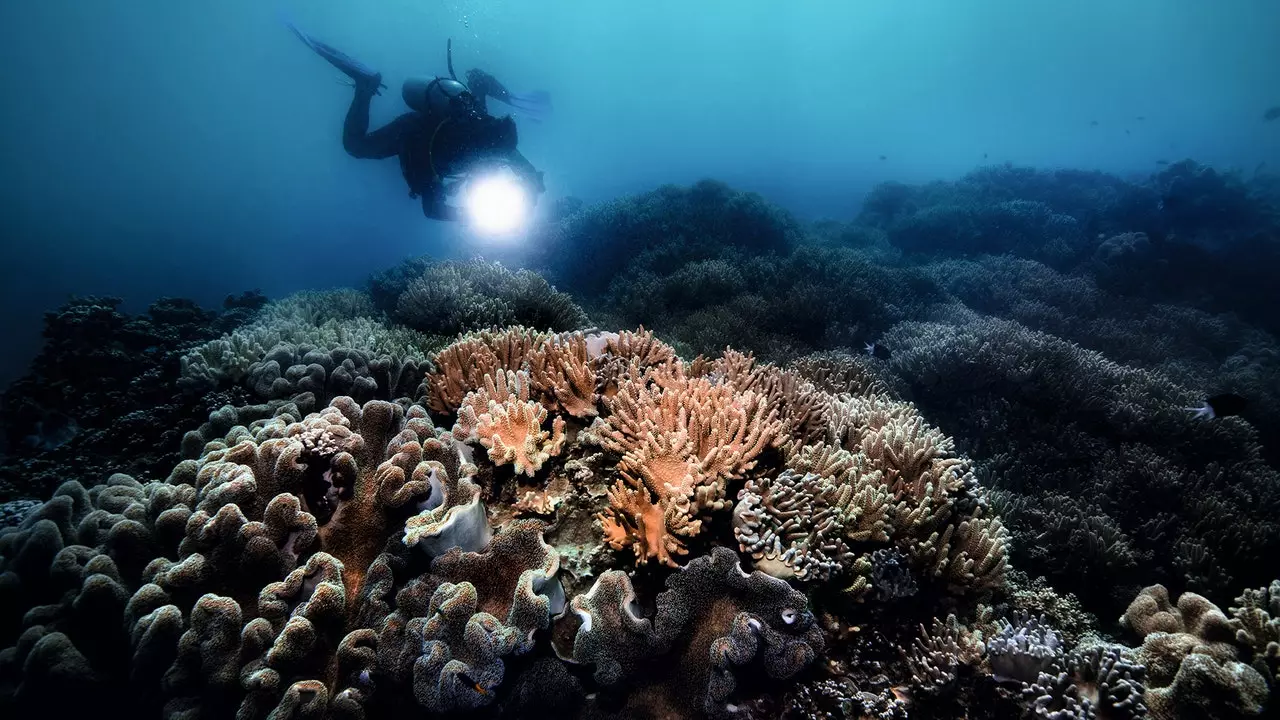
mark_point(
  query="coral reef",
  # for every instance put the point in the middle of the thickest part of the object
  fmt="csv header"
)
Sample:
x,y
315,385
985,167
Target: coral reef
x,y
360,559
342,321
1105,481
99,398
450,297
444,496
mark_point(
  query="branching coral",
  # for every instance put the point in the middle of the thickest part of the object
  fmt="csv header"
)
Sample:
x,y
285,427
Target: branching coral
x,y
804,525
681,439
1097,682
883,476
942,653
1256,620
449,297
503,419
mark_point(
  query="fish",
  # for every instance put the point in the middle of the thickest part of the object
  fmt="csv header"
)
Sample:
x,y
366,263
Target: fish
x,y
1162,162
1093,123
1126,131
474,685
984,156
1142,117
1221,405
884,157
1272,113
876,350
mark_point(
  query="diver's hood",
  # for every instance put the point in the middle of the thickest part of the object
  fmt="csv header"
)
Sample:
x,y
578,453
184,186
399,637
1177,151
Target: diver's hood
x,y
441,96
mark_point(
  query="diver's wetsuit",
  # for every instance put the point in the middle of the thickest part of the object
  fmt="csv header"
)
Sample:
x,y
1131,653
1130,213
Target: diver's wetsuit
x,y
432,147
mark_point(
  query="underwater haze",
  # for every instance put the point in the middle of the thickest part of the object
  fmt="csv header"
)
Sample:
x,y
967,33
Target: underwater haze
x,y
153,148
908,360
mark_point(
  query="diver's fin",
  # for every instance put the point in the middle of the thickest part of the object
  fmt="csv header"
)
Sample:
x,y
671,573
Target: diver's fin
x,y
352,68
535,105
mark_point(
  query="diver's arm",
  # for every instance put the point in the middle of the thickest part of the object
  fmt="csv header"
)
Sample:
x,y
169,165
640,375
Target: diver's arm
x,y
482,85
382,143
521,166
434,205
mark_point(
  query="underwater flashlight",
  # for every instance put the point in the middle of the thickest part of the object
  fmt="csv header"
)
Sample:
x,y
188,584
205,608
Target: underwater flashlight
x,y
496,203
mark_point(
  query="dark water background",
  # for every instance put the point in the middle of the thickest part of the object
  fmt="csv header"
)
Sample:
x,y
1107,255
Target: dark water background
x,y
155,148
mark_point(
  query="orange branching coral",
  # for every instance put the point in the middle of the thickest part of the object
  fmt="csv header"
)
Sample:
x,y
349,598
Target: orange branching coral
x,y
681,440
462,367
650,529
502,418
561,372
640,346
714,430
802,408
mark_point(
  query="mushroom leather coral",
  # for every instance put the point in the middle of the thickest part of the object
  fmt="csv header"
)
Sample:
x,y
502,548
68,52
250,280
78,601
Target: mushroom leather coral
x,y
247,582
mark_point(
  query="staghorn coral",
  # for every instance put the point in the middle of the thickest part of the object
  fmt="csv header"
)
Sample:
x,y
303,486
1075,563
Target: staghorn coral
x,y
1094,457
803,526
883,476
942,653
1256,620
99,397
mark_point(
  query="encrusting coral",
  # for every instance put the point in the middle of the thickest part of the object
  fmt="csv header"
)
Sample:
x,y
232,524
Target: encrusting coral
x,y
362,559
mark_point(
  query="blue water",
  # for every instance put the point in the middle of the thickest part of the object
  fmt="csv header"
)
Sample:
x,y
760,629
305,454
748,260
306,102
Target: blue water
x,y
158,148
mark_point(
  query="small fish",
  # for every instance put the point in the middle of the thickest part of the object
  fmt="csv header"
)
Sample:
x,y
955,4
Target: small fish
x,y
1272,113
1093,123
984,156
1223,405
1162,162
474,685
1126,131
883,157
1142,117
877,350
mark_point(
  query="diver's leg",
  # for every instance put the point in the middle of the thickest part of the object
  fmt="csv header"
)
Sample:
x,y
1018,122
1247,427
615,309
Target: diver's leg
x,y
356,138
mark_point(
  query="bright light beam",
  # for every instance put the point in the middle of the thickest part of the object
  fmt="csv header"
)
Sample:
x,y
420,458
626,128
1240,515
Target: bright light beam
x,y
496,204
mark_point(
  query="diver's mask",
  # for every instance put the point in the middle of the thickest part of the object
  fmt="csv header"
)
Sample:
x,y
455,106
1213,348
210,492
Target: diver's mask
x,y
438,96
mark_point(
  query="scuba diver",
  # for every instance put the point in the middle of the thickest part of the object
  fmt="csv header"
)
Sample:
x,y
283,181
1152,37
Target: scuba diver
x,y
448,134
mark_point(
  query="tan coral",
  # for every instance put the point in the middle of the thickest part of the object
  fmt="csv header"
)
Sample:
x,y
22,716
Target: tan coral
x,y
633,520
681,439
502,418
561,372
641,346
463,366
803,409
